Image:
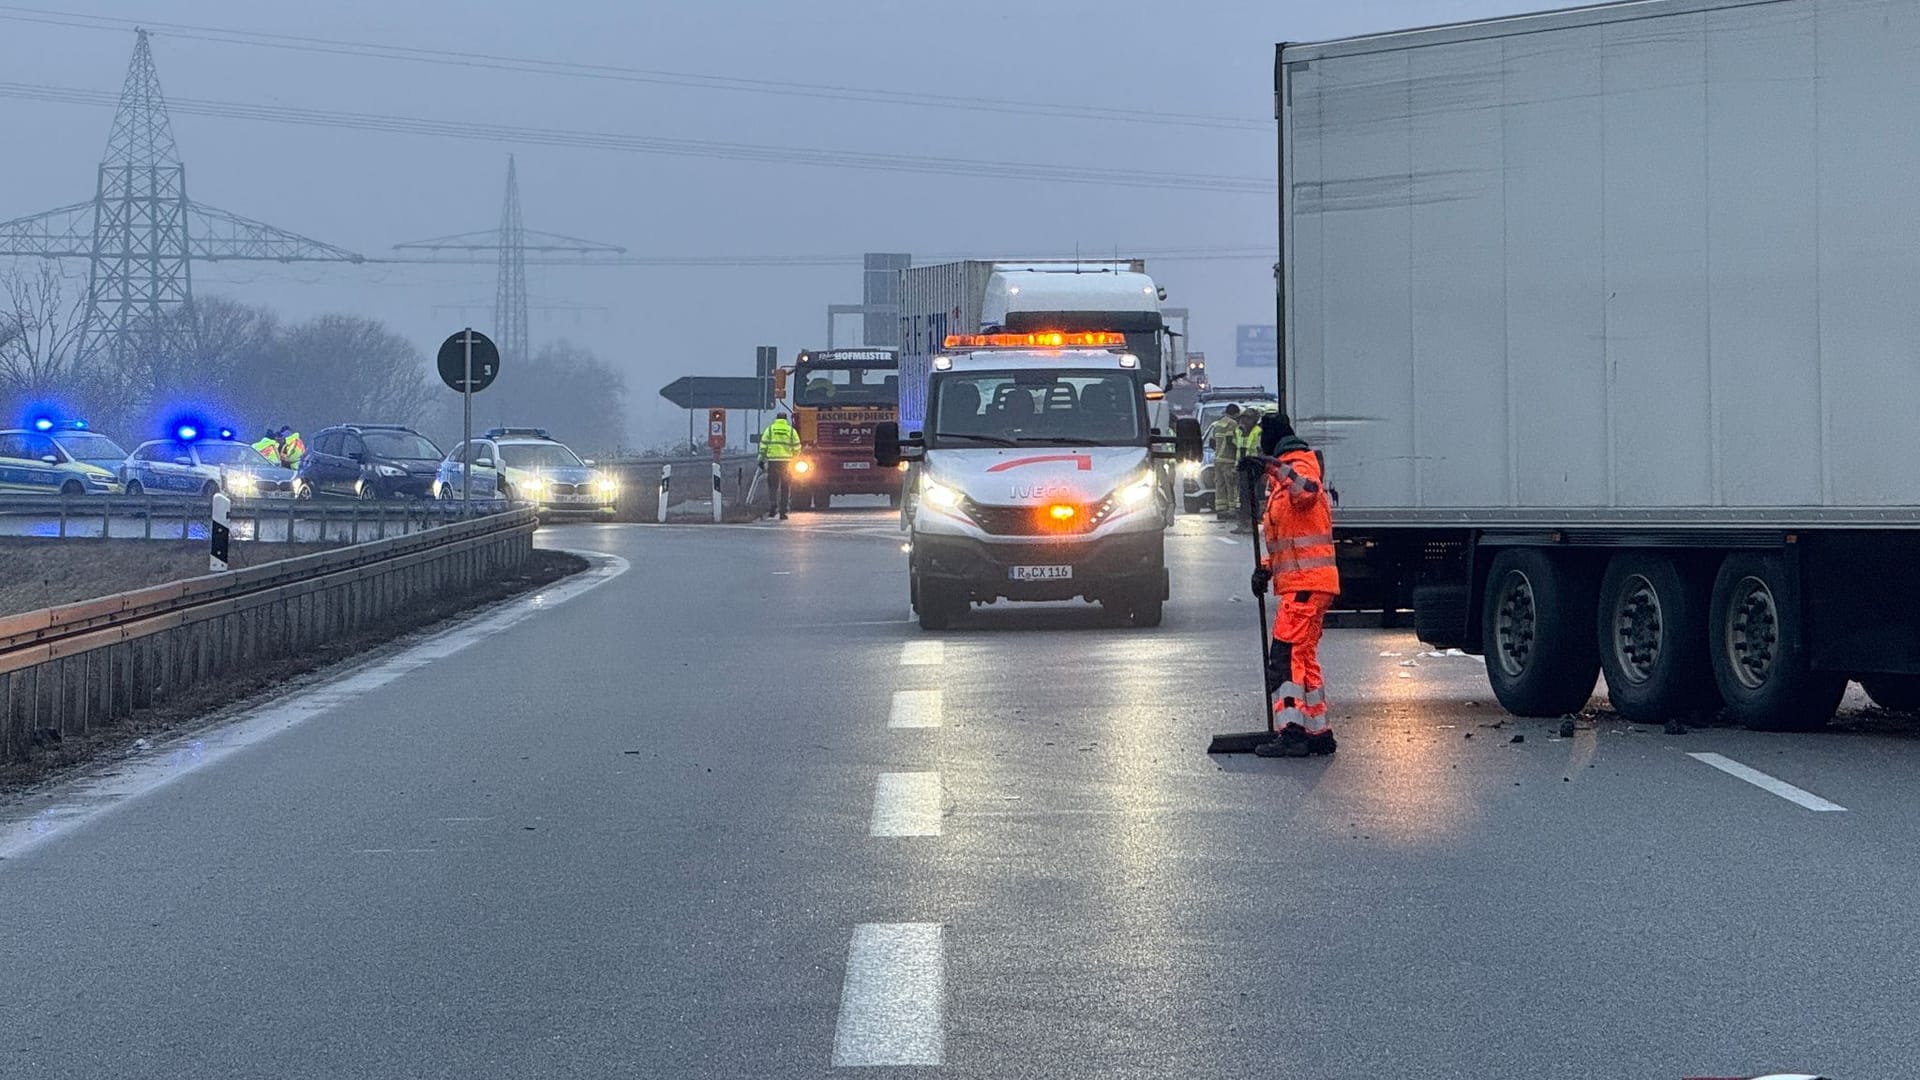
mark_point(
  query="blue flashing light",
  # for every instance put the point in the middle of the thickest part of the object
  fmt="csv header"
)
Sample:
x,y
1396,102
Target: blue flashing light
x,y
226,433
42,423
187,432
79,425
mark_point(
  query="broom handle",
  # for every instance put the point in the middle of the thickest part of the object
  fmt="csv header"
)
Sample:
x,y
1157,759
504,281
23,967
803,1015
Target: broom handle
x,y
1249,498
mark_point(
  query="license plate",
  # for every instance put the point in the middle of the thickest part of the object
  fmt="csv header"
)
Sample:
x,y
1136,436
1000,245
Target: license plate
x,y
1040,573
856,464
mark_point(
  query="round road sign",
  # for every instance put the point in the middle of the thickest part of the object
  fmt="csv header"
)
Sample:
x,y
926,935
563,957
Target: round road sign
x,y
453,361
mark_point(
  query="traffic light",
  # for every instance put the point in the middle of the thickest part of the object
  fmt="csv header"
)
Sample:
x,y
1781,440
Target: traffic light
x,y
779,384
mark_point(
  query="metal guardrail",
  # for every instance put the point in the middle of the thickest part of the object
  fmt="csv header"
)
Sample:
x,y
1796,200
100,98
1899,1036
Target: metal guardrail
x,y
162,517
80,666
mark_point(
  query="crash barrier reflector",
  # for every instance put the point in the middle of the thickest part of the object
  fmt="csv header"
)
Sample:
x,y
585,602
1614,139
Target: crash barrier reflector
x,y
666,484
716,492
72,670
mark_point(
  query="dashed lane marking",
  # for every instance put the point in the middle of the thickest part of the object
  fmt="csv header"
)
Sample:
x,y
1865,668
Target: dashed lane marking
x,y
1228,540
906,804
892,1002
922,653
1777,786
917,709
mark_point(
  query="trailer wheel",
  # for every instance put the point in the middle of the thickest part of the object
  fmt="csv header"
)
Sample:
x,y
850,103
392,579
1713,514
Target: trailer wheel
x,y
1759,653
1652,637
1440,615
1894,693
1537,629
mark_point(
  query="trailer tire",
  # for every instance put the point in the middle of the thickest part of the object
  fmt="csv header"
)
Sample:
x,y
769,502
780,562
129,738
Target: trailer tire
x,y
1759,653
1652,637
1440,615
1894,693
1537,629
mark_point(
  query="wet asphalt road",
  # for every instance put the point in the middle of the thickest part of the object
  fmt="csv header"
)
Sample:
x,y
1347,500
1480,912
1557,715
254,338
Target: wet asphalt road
x,y
729,814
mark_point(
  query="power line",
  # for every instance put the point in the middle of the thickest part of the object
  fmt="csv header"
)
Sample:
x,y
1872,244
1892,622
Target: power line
x,y
738,262
615,73
1122,176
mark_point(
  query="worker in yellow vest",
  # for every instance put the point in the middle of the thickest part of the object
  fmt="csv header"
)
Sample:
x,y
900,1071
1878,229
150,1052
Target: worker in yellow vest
x,y
268,446
779,445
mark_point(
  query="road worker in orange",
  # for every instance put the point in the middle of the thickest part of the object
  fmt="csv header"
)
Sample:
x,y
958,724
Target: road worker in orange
x,y
1298,564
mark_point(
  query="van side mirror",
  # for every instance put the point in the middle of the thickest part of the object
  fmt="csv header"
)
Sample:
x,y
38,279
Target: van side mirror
x,y
1189,445
889,449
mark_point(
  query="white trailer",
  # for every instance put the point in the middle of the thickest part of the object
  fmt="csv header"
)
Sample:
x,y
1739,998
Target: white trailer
x,y
1605,320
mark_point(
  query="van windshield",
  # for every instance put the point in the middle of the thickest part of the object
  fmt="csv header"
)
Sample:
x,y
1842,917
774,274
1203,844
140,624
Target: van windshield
x,y
1069,408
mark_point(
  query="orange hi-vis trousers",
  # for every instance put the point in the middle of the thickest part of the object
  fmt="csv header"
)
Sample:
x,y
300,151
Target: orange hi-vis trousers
x,y
1293,661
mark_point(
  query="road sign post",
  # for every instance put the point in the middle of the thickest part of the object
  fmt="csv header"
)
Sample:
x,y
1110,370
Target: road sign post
x,y
468,362
716,442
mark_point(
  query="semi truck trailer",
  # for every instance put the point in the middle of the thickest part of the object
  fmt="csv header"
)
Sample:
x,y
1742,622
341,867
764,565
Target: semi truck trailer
x,y
1605,322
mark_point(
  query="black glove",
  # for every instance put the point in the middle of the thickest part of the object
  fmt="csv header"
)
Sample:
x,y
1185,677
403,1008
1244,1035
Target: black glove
x,y
1252,465
1262,578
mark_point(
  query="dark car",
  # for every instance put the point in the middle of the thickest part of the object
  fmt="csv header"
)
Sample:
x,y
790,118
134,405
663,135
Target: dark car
x,y
368,461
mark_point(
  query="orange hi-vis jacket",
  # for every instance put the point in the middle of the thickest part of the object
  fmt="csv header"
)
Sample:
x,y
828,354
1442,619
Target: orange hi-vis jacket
x,y
1299,526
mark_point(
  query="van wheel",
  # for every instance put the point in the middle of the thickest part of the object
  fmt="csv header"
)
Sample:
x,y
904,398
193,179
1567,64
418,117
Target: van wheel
x,y
1652,637
1759,656
1537,629
1894,693
1145,609
938,604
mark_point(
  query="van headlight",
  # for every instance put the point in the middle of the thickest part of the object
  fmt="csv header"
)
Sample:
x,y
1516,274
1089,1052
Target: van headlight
x,y
1139,492
940,495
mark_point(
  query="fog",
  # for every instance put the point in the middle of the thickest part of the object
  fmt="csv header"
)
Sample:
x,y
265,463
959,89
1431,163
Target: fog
x,y
1173,89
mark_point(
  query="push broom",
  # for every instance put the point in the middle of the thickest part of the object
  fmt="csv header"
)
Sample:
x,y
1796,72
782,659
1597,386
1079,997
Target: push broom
x,y
1250,494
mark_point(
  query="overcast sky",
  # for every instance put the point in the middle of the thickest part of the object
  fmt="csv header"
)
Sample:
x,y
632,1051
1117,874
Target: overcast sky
x,y
367,190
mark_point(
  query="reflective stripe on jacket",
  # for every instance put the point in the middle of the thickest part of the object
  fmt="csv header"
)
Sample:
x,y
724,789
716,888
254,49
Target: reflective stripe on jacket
x,y
1224,436
779,441
1299,526
269,449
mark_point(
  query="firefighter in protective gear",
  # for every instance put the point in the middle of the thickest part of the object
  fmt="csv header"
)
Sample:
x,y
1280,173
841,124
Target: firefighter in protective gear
x,y
1224,437
292,448
1299,566
779,445
268,446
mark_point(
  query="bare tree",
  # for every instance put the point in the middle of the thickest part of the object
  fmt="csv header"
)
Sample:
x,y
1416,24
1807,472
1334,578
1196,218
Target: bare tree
x,y
568,390
337,369
40,321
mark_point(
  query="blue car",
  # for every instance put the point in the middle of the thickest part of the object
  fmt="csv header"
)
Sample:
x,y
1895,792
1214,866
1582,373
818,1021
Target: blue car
x,y
202,467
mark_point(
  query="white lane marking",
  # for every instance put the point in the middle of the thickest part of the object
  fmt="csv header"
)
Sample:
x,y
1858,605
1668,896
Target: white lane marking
x,y
1228,540
1764,782
922,653
917,709
893,997
906,804
89,799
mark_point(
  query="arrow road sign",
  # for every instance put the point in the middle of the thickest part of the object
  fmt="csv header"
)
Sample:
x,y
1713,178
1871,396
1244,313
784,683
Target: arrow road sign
x,y
717,392
452,361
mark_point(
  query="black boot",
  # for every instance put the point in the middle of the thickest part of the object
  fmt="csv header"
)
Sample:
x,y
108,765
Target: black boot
x,y
1290,742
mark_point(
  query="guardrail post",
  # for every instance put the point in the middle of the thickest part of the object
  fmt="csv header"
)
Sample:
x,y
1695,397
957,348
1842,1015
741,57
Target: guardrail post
x,y
106,519
716,489
63,516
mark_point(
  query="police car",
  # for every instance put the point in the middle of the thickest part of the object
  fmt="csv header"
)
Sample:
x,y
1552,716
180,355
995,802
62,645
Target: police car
x,y
1197,479
528,465
189,464
58,458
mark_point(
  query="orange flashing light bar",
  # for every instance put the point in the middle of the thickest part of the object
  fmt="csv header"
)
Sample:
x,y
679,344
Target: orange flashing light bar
x,y
1040,339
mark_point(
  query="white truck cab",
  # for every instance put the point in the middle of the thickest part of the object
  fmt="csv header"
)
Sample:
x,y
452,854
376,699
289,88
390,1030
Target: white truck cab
x,y
1037,478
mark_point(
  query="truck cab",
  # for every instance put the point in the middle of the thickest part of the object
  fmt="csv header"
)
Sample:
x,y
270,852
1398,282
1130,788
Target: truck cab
x,y
839,397
1038,478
